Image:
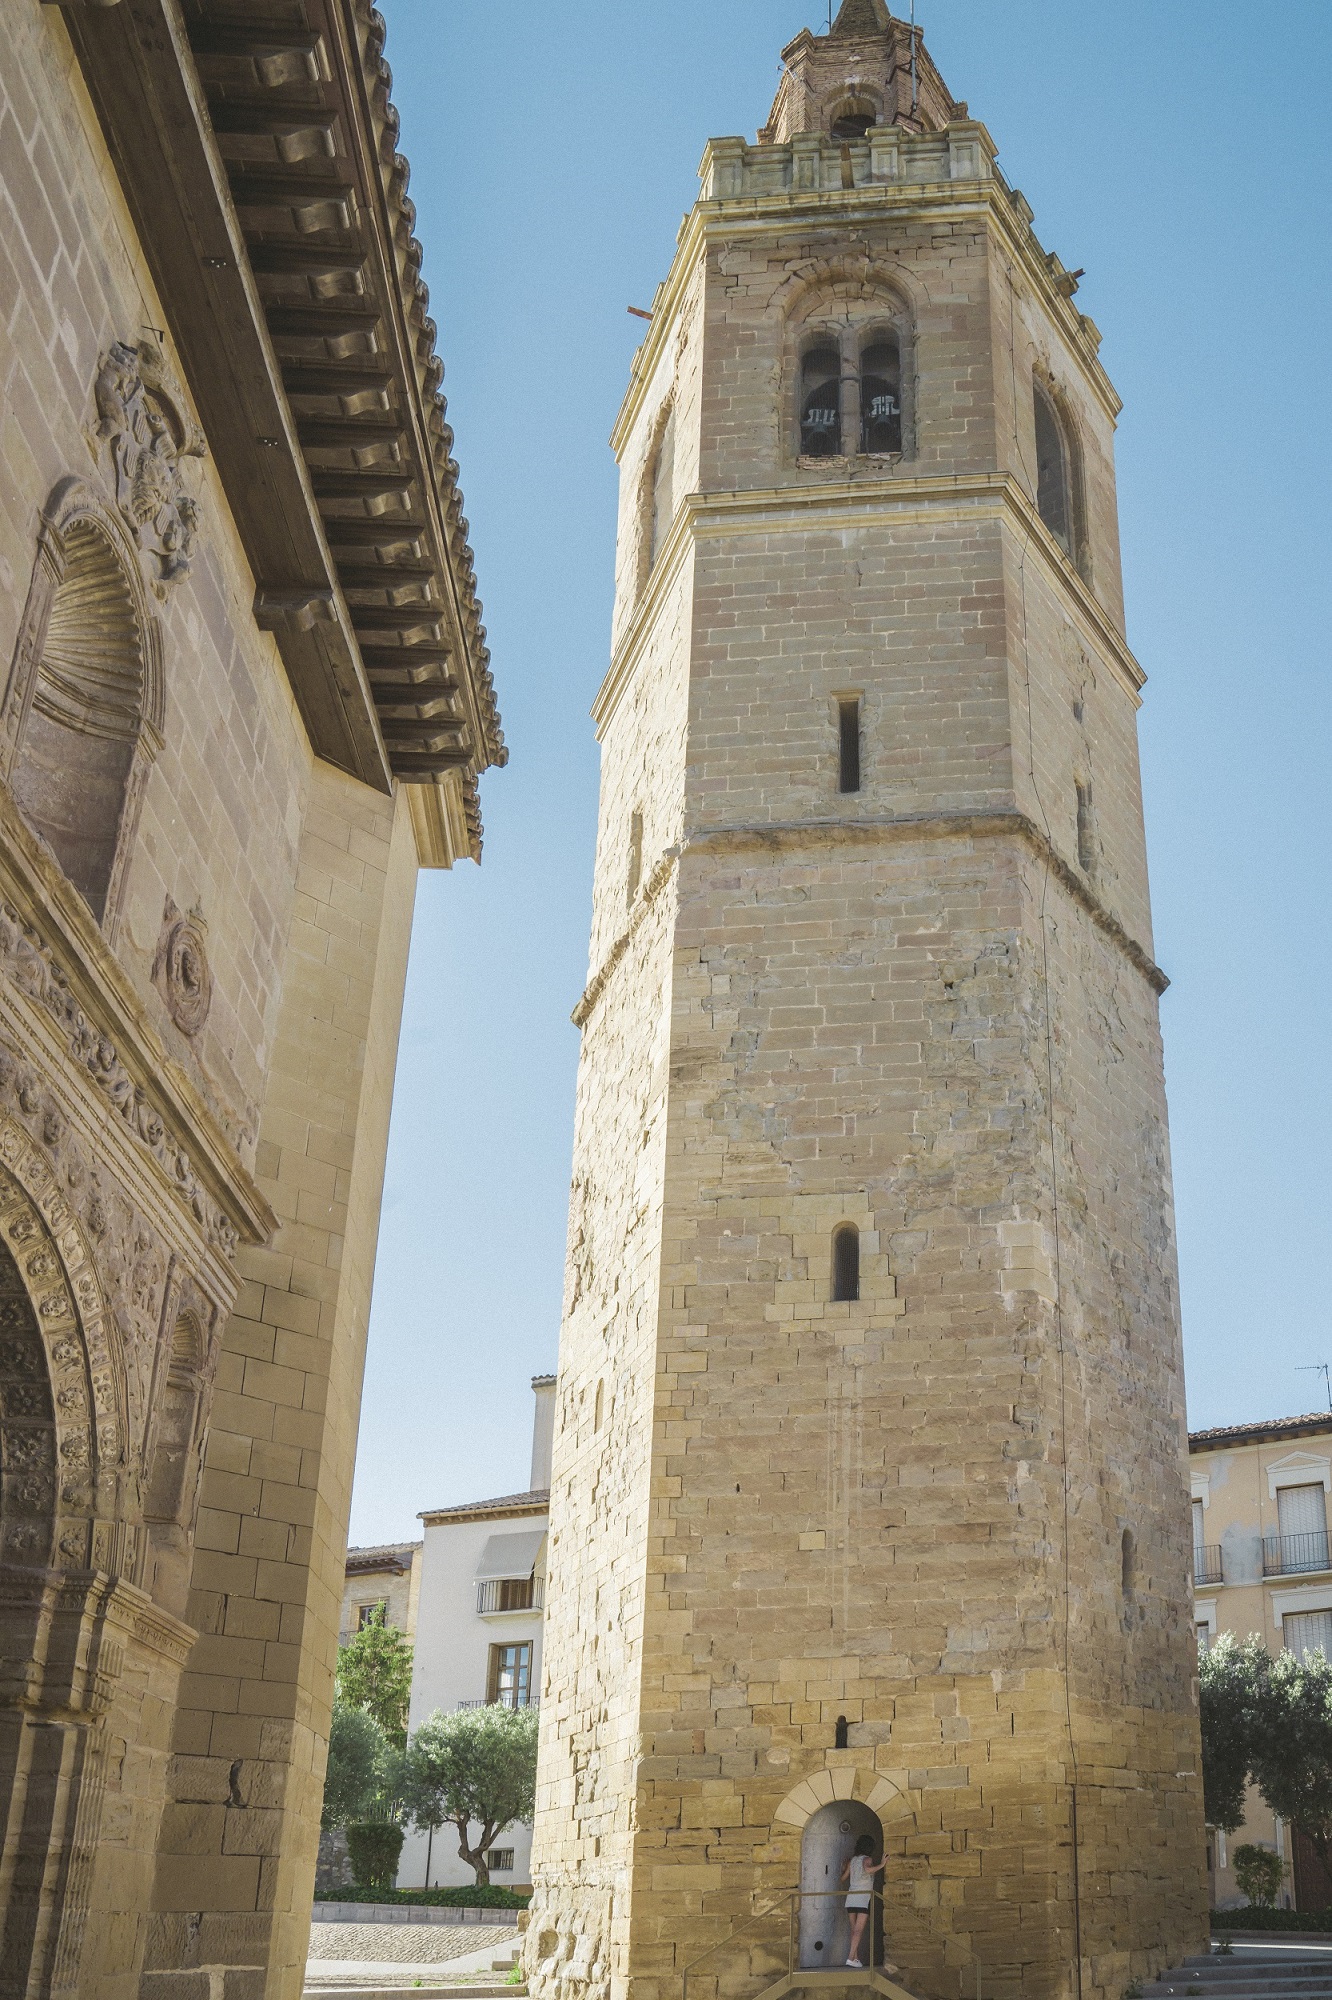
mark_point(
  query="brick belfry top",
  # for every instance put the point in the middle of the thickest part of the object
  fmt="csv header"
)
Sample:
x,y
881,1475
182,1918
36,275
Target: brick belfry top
x,y
869,1501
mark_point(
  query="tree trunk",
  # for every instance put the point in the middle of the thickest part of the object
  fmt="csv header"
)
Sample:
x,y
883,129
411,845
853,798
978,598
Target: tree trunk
x,y
475,1857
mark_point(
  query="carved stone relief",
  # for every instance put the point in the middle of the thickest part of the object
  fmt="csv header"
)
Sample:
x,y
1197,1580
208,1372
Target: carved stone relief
x,y
181,972
29,962
149,435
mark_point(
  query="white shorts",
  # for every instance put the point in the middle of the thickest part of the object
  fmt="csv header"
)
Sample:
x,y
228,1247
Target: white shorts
x,y
857,1902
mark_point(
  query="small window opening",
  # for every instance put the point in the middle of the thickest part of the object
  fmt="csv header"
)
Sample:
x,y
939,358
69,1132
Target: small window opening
x,y
848,743
821,403
852,125
881,398
663,487
846,1262
1128,1562
1086,829
840,1733
635,858
599,1408
1052,494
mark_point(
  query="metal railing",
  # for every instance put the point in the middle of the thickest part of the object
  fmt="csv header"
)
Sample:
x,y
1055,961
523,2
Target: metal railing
x,y
793,1973
1288,1555
509,1593
1206,1563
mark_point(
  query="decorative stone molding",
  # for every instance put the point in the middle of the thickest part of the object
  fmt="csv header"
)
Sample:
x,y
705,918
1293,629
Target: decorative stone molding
x,y
149,433
28,961
181,972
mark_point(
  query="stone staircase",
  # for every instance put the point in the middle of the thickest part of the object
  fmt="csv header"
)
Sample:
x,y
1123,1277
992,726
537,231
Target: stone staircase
x,y
1275,1971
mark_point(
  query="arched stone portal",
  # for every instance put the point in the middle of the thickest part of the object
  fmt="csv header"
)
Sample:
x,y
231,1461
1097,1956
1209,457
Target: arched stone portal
x,y
830,1835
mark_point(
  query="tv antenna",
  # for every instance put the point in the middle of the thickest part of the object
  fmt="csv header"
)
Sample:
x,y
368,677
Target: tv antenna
x,y
1323,1368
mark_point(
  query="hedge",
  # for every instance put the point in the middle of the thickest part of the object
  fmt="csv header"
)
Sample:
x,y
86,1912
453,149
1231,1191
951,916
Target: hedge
x,y
472,1896
1250,1917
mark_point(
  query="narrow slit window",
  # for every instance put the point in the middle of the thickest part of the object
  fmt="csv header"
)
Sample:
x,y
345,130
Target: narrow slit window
x,y
599,1408
1086,829
848,745
881,398
821,403
1128,1562
846,1262
635,875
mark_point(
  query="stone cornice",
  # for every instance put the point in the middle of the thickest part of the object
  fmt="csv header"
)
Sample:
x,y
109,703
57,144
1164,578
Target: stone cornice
x,y
750,214
67,966
1003,823
766,510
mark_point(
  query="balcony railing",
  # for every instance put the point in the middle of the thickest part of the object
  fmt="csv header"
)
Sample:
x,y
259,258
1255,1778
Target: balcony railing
x,y
509,1593
1288,1555
1206,1564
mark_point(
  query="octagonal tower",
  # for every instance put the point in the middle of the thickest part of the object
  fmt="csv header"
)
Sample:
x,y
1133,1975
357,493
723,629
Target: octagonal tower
x,y
869,1507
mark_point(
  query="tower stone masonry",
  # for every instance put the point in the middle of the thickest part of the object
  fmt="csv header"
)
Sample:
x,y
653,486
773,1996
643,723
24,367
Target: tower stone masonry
x,y
869,1499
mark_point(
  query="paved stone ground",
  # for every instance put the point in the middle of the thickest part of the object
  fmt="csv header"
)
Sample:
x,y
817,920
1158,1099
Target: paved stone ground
x,y
409,1944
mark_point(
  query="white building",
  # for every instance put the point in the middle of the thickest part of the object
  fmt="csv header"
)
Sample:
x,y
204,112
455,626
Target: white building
x,y
478,1635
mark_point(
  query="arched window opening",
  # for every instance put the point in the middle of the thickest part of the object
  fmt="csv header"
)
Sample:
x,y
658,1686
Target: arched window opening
x,y
663,487
1128,1563
1053,495
881,396
846,1262
821,403
168,1480
853,123
75,762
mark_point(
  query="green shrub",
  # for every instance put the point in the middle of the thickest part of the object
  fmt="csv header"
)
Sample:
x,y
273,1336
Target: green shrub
x,y
374,1847
1252,1917
1259,1873
471,1896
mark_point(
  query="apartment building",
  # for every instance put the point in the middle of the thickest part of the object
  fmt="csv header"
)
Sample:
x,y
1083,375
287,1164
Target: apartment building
x,y
1261,1563
478,1634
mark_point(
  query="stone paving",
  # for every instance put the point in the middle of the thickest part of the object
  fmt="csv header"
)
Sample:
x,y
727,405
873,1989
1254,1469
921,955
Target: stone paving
x,y
410,1944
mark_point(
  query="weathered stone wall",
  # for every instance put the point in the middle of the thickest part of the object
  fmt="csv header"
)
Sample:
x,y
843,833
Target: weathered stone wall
x,y
210,1061
928,1008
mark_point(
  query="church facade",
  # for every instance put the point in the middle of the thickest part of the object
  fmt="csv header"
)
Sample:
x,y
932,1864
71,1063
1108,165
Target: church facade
x,y
246,698
869,1509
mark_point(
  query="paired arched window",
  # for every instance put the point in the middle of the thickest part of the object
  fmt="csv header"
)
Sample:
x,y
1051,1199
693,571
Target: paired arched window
x,y
82,715
851,395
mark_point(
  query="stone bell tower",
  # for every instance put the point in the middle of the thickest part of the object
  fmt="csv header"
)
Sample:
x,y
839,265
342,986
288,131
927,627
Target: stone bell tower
x,y
868,1505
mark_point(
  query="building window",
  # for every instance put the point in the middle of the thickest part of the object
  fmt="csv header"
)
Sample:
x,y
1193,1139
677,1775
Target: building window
x,y
846,1262
635,875
499,1860
1053,480
1128,1562
372,1614
509,1680
854,389
881,396
821,403
508,1593
663,487
1301,1543
1305,1632
1204,1632
848,744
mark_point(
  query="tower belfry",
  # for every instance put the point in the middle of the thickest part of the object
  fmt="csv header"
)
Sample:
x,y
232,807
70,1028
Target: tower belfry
x,y
869,1510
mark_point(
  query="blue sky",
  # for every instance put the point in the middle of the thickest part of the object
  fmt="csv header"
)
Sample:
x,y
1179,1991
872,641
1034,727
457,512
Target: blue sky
x,y
1178,153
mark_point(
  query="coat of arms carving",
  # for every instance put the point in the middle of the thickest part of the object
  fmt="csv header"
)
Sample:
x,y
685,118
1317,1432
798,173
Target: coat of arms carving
x,y
149,434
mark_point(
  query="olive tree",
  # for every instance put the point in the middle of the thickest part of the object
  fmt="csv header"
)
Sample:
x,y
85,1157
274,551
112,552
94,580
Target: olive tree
x,y
476,1767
